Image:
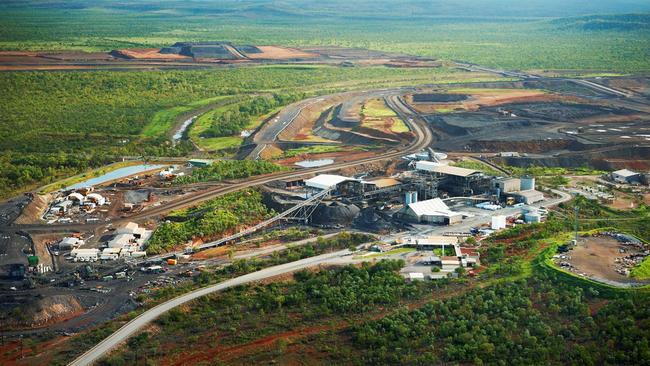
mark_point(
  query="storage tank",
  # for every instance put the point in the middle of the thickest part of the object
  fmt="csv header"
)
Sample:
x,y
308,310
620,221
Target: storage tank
x,y
527,182
407,198
414,197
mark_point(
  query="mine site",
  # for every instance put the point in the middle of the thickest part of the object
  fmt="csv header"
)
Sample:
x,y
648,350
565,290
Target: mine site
x,y
306,184
417,167
186,55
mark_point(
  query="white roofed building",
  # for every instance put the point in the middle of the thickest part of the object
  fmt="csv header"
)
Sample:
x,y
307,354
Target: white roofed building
x,y
326,181
337,183
70,243
626,176
120,241
433,211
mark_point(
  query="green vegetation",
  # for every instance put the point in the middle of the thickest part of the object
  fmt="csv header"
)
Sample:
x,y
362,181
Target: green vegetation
x,y
211,219
513,35
315,149
538,321
247,313
543,171
229,169
86,340
375,112
56,124
231,121
475,165
552,177
642,271
163,121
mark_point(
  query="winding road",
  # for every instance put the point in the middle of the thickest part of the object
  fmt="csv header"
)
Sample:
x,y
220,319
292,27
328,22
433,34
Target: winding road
x,y
423,138
150,315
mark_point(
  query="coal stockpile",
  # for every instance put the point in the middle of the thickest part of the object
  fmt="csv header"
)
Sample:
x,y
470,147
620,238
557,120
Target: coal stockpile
x,y
219,50
562,111
373,221
334,213
438,98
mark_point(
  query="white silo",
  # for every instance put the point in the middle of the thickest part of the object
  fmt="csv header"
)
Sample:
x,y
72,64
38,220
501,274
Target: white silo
x,y
527,183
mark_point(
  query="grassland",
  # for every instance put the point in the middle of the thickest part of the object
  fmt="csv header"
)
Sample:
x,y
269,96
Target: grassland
x,y
502,40
378,116
317,149
56,124
163,121
472,164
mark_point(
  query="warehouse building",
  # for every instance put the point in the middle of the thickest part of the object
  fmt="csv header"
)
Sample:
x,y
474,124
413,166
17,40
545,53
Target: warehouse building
x,y
433,211
626,176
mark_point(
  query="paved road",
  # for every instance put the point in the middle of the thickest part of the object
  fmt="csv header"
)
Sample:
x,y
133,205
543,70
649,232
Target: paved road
x,y
148,316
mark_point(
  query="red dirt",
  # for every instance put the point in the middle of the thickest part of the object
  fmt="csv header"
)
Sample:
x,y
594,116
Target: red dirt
x,y
18,53
279,53
595,306
488,99
149,54
229,353
10,354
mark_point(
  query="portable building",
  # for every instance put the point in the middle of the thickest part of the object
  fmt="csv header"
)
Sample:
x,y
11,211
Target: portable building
x,y
84,255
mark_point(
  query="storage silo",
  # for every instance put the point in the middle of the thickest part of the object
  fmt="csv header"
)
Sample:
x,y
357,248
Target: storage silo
x,y
527,182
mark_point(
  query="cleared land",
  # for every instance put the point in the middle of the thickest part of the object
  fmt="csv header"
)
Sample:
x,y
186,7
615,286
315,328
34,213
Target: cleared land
x,y
471,99
597,257
280,53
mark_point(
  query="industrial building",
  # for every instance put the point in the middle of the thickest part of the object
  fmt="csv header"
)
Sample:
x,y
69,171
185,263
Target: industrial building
x,y
433,211
339,184
128,241
507,185
382,186
454,180
626,176
528,197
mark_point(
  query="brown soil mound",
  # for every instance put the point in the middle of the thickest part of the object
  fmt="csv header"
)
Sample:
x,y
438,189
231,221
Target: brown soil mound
x,y
25,311
32,212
